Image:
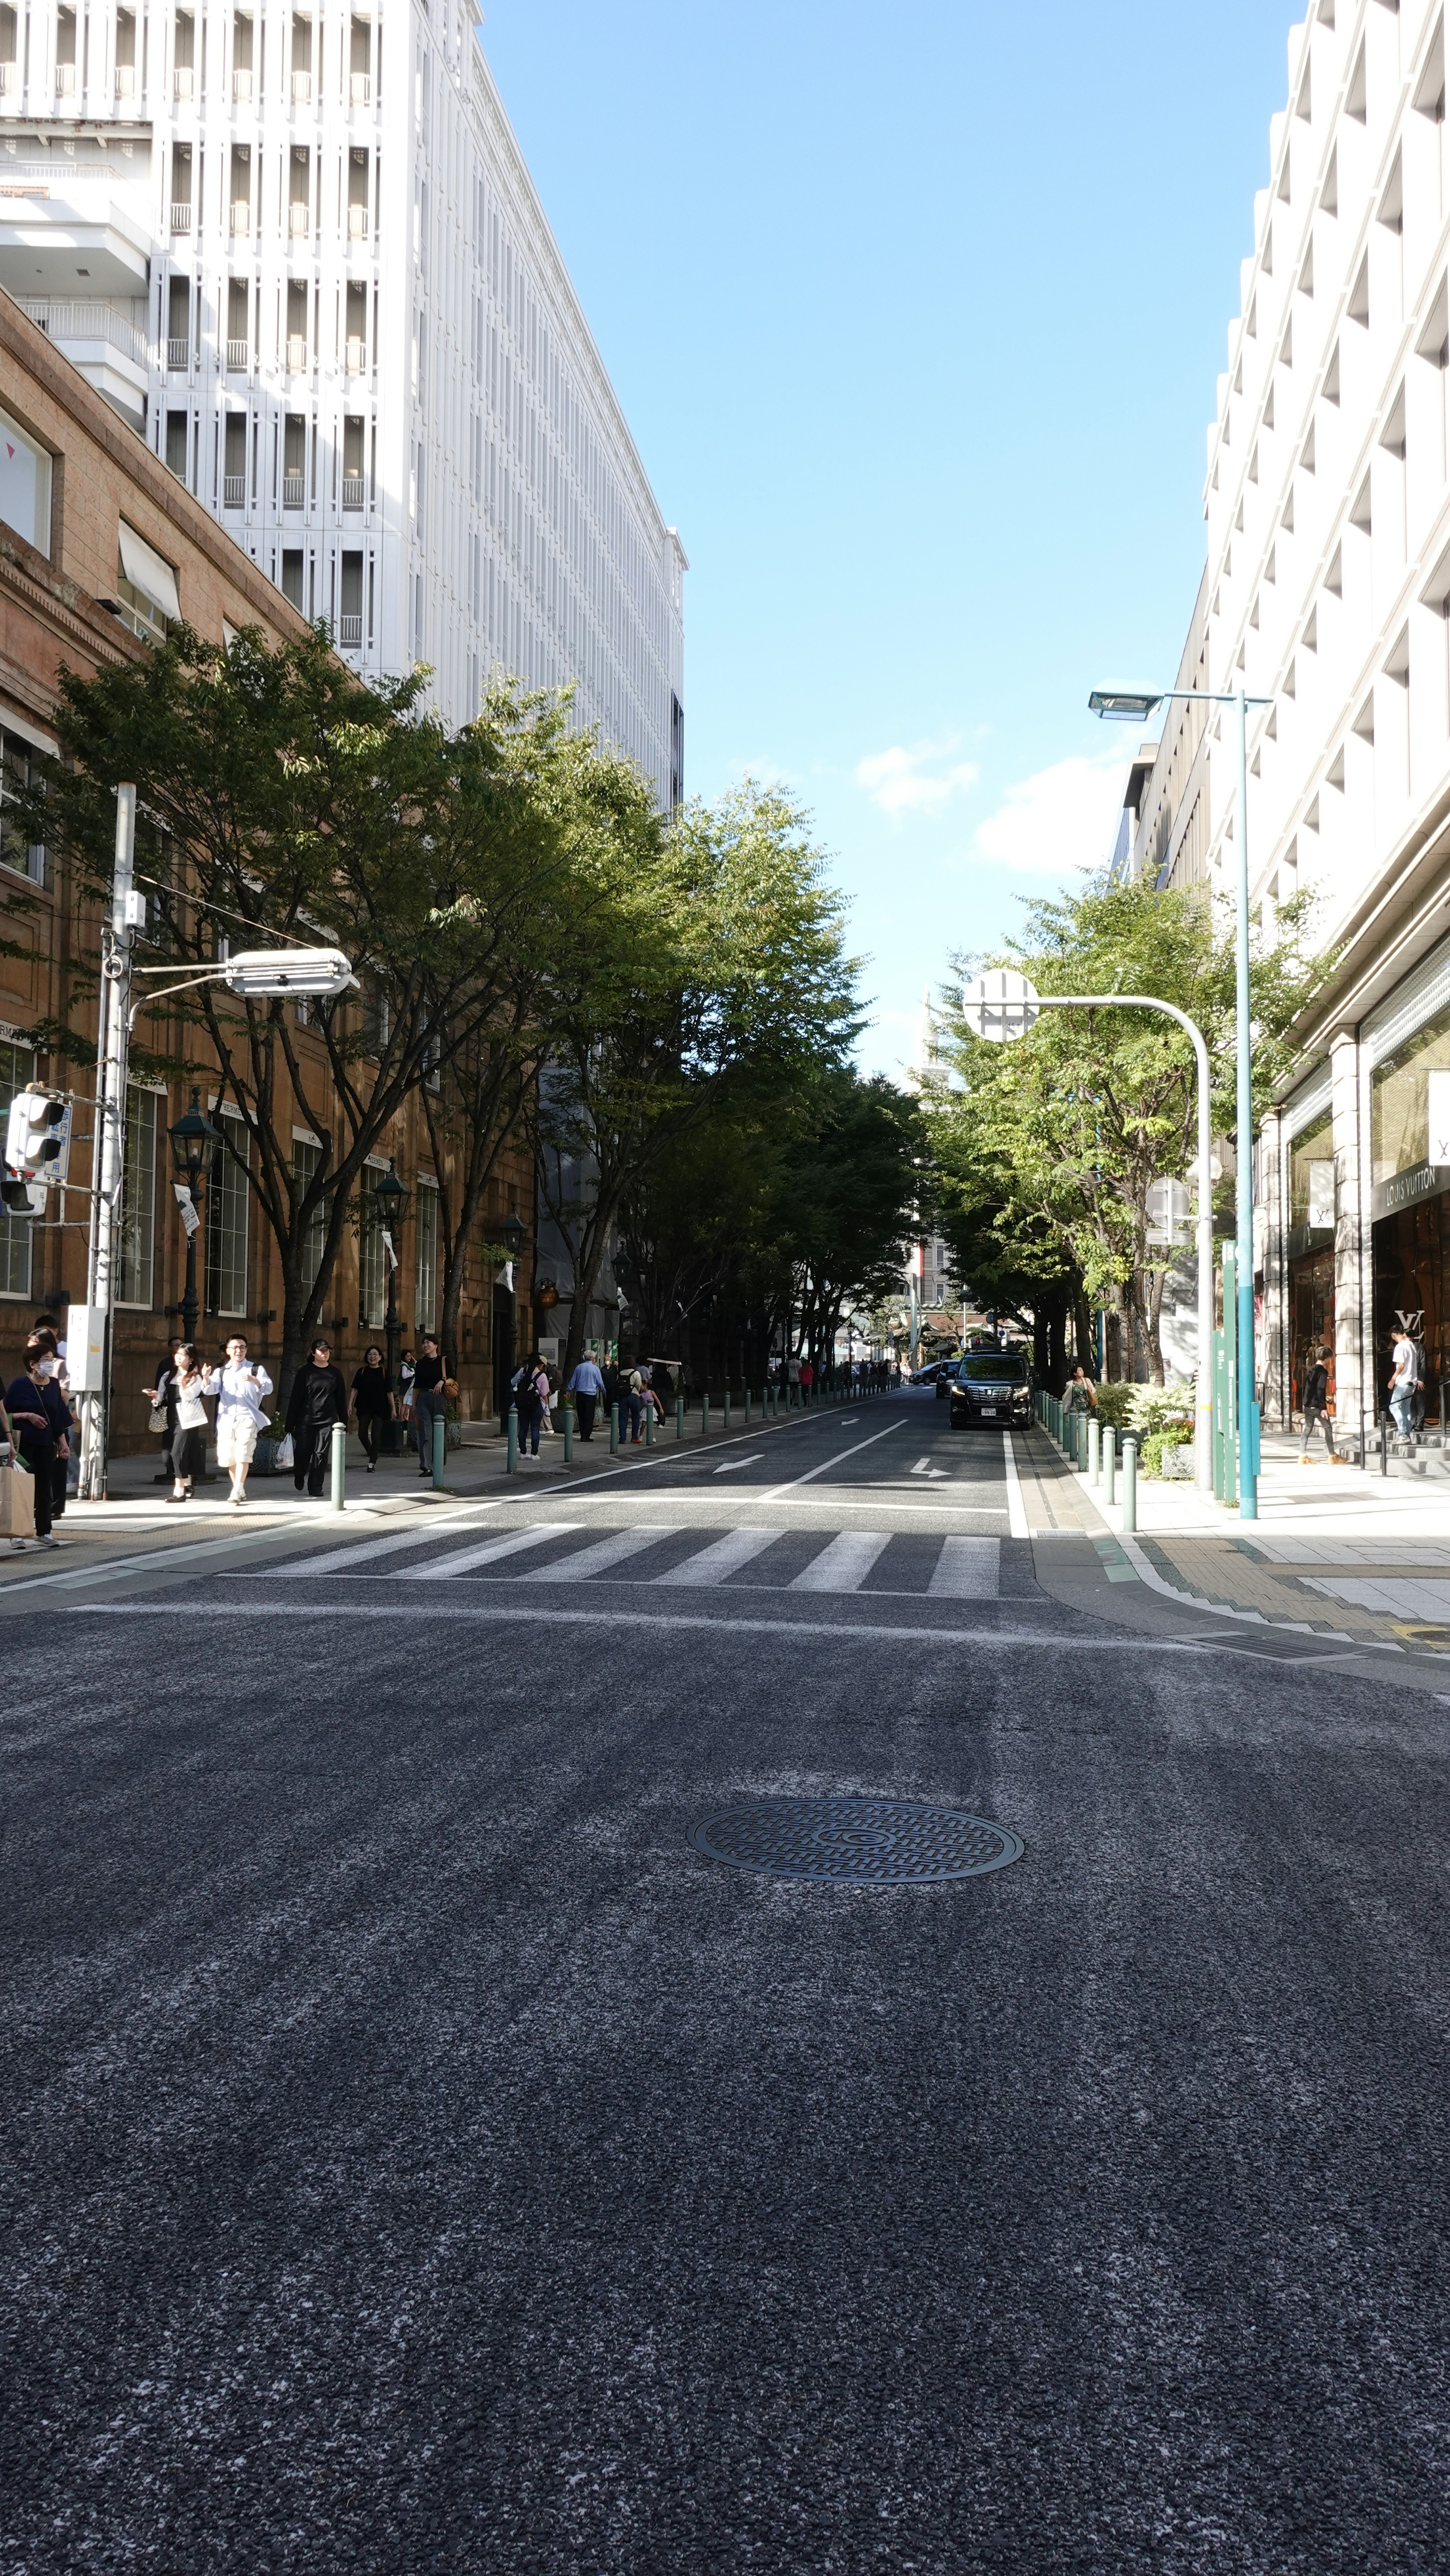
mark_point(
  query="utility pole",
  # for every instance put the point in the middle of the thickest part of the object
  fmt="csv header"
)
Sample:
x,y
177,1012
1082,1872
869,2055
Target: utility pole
x,y
108,1152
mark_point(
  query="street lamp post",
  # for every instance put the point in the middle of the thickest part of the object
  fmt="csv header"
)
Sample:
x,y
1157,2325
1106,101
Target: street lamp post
x,y
392,1200
1132,706
194,1147
1003,1005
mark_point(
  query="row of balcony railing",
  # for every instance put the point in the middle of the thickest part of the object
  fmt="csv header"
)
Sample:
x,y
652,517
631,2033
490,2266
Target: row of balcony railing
x,y
294,492
299,219
183,84
239,353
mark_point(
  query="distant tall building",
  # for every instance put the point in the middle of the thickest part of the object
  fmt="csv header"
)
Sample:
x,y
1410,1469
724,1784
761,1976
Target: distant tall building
x,y
299,250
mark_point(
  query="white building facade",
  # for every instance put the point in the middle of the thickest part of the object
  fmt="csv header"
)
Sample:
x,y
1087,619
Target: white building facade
x,y
1327,592
299,250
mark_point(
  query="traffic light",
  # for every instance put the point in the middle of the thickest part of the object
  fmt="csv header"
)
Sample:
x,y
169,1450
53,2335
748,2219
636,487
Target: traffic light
x,y
37,1136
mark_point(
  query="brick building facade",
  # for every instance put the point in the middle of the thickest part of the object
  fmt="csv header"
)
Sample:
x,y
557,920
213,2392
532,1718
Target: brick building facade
x,y
100,547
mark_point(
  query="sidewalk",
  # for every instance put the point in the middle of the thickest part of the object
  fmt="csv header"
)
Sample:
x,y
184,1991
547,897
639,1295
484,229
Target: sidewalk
x,y
1334,1551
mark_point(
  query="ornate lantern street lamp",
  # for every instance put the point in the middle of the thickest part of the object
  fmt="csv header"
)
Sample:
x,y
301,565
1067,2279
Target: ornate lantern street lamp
x,y
195,1144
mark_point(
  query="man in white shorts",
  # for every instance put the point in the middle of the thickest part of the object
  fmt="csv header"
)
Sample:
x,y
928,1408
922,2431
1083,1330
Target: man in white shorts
x,y
239,1388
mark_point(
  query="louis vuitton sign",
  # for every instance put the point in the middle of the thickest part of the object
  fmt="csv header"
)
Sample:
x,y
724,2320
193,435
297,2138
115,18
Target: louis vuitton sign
x,y
1406,1189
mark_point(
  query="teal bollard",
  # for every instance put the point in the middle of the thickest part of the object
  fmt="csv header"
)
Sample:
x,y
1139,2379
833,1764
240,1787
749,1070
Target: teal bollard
x,y
727,1408
649,1422
1130,1488
440,1449
747,1408
679,1417
614,1431
339,1466
1109,1462
513,1439
704,1417
568,1435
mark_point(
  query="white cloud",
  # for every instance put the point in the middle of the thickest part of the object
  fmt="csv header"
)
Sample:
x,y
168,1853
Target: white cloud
x,y
915,778
1061,818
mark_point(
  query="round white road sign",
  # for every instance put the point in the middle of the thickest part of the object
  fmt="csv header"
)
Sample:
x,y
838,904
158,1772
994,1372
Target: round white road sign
x,y
999,1005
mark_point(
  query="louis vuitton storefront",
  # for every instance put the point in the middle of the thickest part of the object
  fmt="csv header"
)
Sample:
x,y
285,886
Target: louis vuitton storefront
x,y
1354,1175
1409,1122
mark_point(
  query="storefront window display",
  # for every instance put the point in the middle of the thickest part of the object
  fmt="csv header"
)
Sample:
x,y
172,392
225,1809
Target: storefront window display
x,y
1311,1255
1410,1204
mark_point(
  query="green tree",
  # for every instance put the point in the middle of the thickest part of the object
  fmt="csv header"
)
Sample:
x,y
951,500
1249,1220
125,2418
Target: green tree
x,y
1055,1140
713,965
279,798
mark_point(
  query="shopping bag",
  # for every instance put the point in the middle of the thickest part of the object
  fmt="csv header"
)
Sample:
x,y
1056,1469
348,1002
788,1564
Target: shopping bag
x,y
283,1459
17,1501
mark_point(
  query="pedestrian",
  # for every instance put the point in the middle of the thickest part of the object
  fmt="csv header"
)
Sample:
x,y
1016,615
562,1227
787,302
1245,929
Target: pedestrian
x,y
188,1449
239,1387
371,1402
1081,1393
532,1386
586,1387
31,1430
407,1371
1403,1382
808,1379
45,1348
318,1399
430,1400
162,1399
632,1405
1316,1405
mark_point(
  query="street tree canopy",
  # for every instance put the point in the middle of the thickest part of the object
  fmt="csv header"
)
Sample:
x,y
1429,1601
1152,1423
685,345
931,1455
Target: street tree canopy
x,y
1049,1146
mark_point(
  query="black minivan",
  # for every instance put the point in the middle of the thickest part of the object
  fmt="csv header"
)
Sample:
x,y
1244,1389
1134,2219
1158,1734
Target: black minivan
x,y
992,1386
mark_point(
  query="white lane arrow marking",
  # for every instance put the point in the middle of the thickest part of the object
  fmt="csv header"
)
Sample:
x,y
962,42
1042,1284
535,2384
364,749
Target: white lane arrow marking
x,y
924,1467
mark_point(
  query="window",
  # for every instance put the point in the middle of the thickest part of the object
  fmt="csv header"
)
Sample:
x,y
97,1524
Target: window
x,y
427,1291
306,1158
234,464
226,1226
26,857
148,601
134,1252
292,575
376,1020
17,1067
372,1289
24,485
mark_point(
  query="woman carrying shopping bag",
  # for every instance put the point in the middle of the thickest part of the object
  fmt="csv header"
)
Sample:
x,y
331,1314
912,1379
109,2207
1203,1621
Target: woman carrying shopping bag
x,y
188,1453
318,1399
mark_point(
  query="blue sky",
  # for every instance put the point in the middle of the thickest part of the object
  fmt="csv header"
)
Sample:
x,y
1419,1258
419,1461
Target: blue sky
x,y
916,314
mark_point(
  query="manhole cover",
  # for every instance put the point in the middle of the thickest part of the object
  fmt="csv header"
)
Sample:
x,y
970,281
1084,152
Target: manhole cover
x,y
855,1842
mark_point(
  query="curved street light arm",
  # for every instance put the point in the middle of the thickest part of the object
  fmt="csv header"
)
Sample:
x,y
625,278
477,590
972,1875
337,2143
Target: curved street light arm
x,y
1203,1396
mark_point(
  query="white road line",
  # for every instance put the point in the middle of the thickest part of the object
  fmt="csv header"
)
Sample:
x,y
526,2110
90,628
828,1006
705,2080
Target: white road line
x,y
606,1552
966,1570
844,1565
732,1465
464,1559
1055,1638
336,1560
828,1463
713,1564
1016,1510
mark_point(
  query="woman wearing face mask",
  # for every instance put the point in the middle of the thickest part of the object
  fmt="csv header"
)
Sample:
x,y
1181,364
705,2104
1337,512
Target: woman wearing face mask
x,y
32,1417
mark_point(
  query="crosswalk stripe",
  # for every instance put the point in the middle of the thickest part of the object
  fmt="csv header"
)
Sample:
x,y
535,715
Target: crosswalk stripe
x,y
967,1569
341,1560
598,1559
713,1564
845,1564
465,1559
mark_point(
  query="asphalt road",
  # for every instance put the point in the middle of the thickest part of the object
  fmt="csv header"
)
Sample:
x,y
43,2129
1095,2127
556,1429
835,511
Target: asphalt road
x,y
417,2156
